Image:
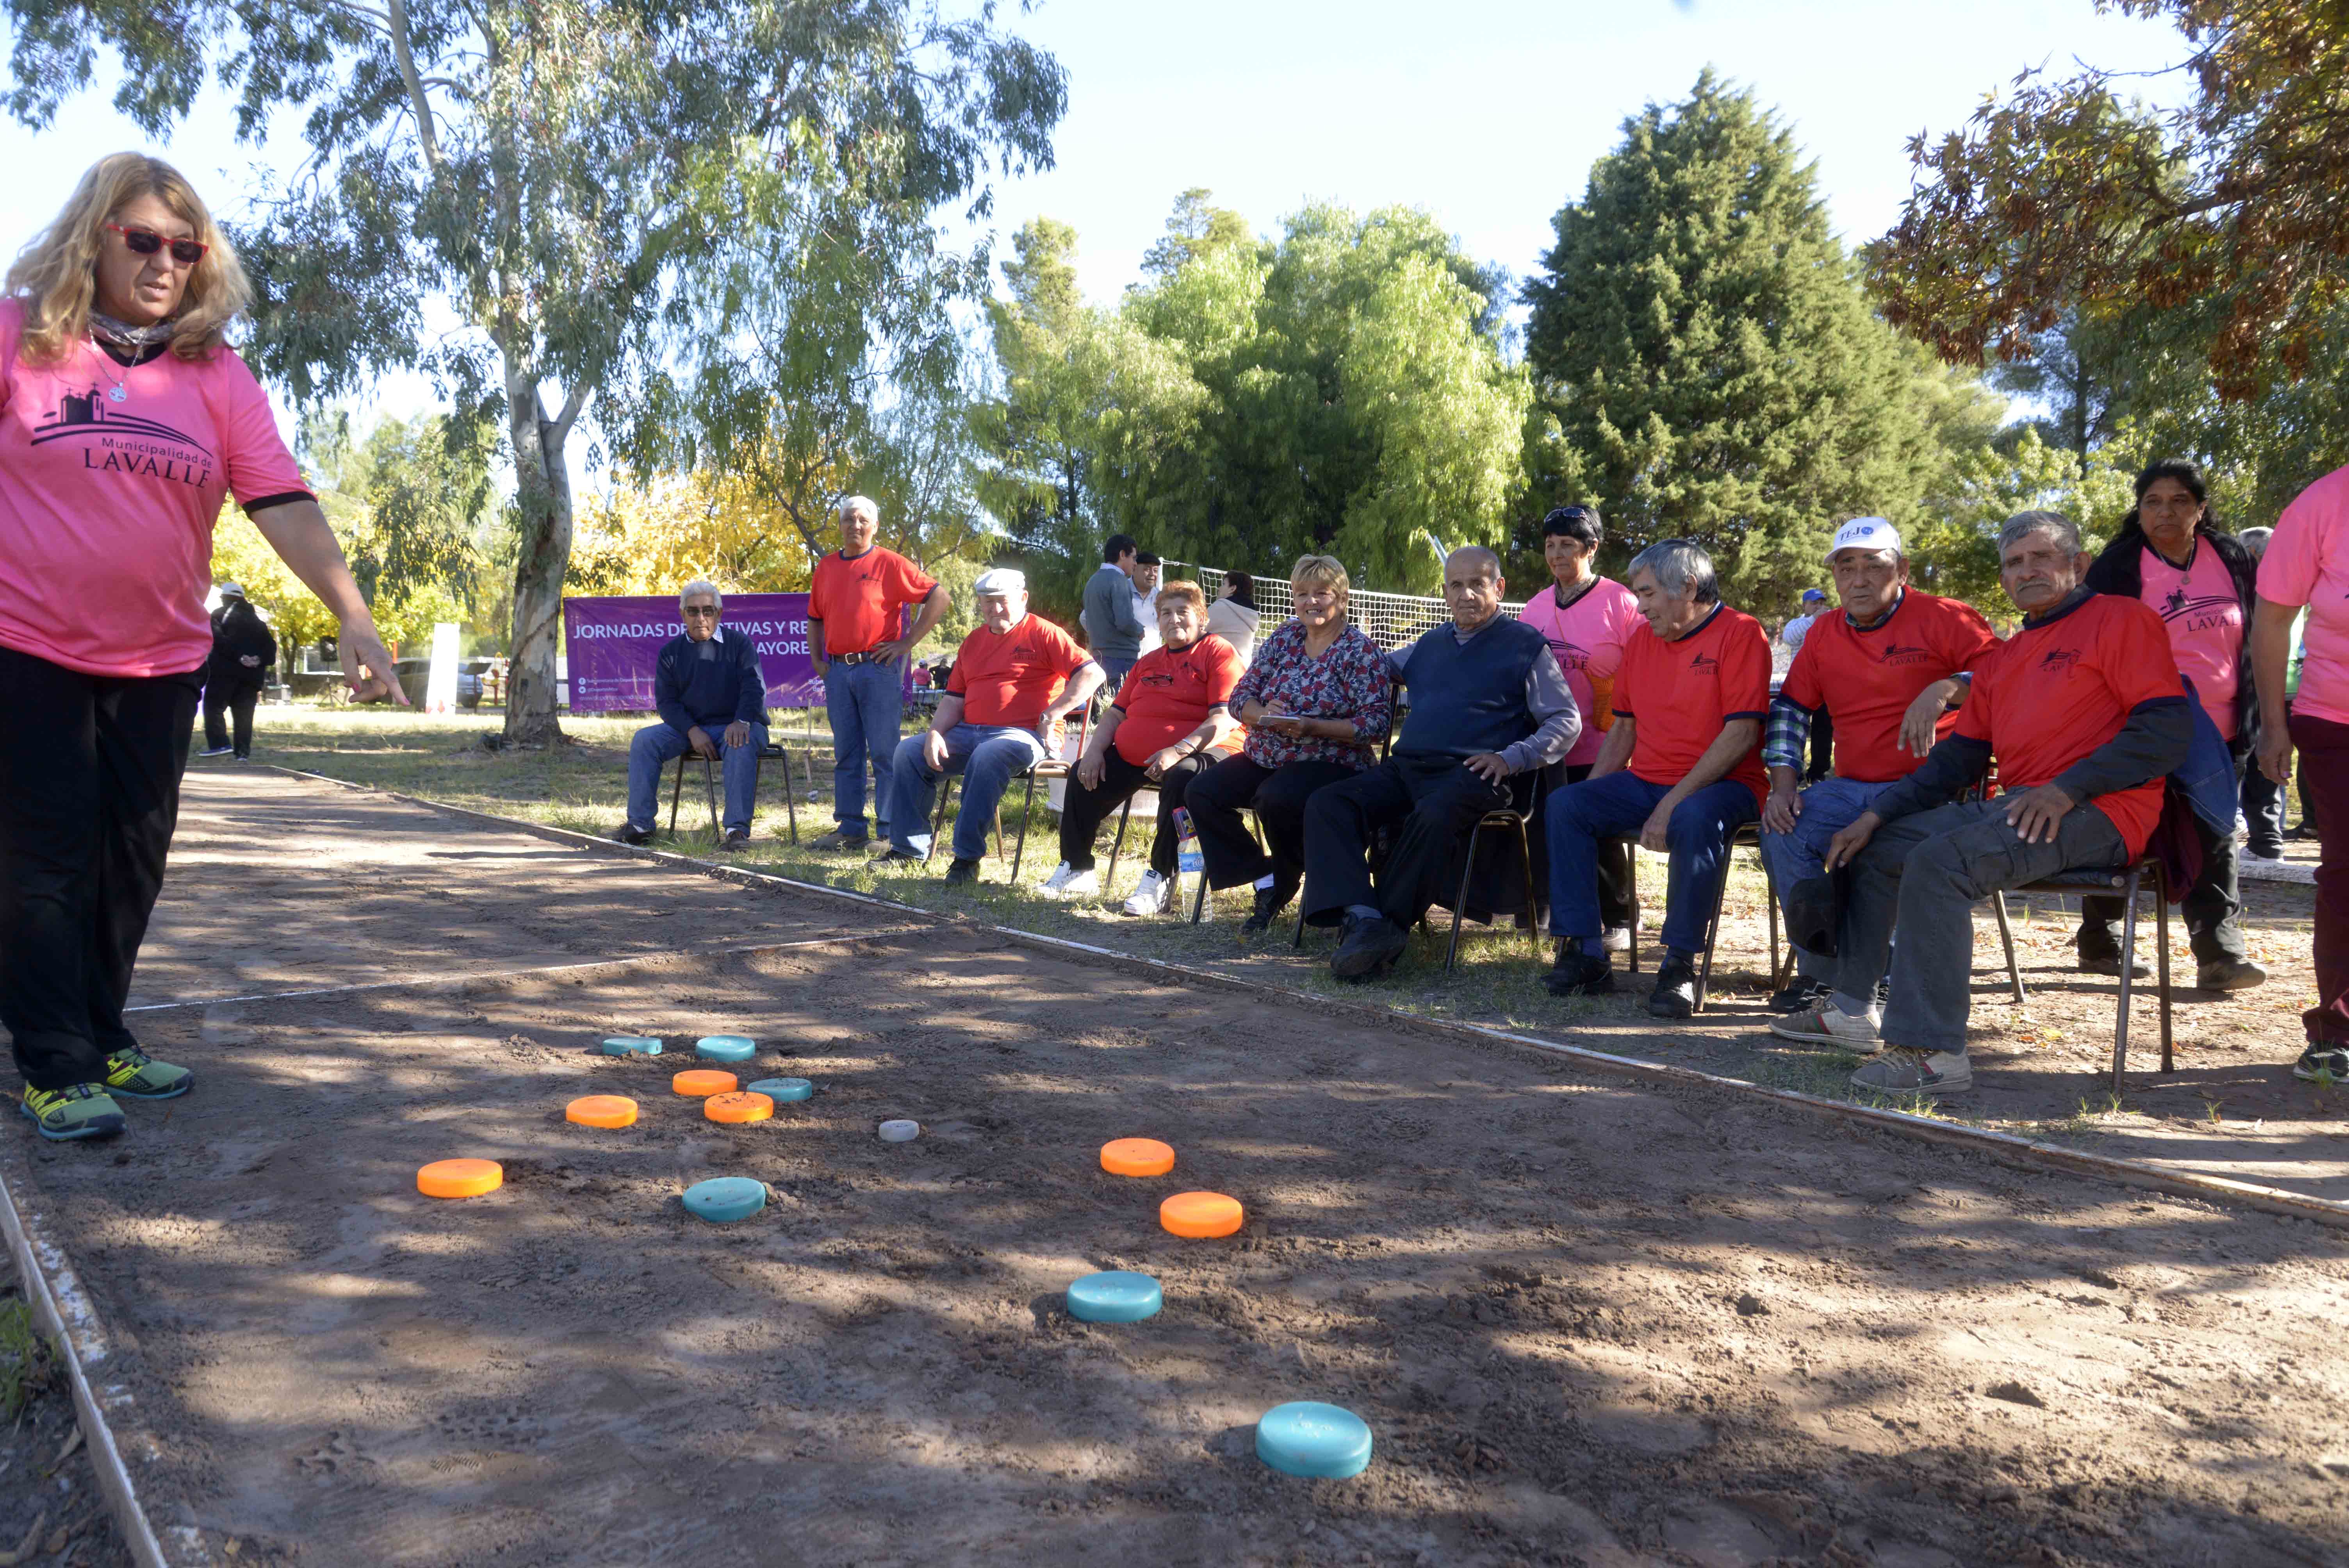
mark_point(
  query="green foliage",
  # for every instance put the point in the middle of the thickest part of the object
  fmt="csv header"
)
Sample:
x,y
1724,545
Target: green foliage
x,y
26,1365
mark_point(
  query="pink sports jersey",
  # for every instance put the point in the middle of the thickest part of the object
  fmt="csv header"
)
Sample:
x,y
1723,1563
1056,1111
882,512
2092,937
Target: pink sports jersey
x,y
1588,636
106,505
2204,618
2307,563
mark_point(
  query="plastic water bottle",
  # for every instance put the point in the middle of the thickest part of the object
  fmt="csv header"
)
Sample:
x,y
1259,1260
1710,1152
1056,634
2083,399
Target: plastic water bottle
x,y
1188,857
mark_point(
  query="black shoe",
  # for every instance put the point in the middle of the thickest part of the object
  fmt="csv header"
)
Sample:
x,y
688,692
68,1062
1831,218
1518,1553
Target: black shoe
x,y
2229,975
1578,973
1800,996
2095,962
624,834
1367,946
893,856
735,839
962,871
1675,993
1270,903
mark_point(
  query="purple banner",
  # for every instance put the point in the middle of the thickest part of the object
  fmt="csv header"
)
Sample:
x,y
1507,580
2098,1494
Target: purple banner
x,y
612,643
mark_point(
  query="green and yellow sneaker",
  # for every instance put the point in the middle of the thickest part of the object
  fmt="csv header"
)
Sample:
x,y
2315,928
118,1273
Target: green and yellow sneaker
x,y
133,1072
78,1111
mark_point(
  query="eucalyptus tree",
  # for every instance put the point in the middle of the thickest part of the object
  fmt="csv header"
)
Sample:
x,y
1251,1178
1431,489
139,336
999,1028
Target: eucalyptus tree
x,y
616,199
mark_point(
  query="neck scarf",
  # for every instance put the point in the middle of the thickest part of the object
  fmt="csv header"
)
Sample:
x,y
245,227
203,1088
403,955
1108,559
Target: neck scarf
x,y
130,339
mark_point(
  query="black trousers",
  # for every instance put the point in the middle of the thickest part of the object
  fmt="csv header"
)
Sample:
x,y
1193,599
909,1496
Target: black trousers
x,y
237,700
1083,810
2210,905
1615,910
90,793
2264,806
1432,799
1278,795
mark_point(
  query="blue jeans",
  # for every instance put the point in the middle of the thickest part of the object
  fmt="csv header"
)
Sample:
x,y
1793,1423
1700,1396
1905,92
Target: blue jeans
x,y
1579,815
1830,806
864,703
655,744
988,756
1114,674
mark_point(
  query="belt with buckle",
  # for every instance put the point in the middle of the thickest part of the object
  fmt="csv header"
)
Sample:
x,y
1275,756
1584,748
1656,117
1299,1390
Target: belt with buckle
x,y
869,656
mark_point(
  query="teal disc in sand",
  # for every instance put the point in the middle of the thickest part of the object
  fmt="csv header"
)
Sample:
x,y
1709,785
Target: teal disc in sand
x,y
1118,1296
781,1090
1311,1438
723,1198
725,1048
631,1045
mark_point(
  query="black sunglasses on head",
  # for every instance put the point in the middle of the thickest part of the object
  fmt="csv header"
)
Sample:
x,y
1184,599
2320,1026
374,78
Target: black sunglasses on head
x,y
147,242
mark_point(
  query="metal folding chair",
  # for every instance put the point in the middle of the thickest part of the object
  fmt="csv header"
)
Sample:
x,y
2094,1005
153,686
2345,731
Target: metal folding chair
x,y
677,788
2144,875
1049,768
1748,836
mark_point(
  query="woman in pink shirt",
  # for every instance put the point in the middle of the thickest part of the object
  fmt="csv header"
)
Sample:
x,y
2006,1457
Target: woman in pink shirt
x,y
2172,556
1587,619
125,419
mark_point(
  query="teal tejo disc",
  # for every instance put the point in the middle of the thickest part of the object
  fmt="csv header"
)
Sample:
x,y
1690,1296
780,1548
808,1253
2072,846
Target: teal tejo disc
x,y
1118,1296
632,1045
725,1048
1311,1438
781,1090
724,1199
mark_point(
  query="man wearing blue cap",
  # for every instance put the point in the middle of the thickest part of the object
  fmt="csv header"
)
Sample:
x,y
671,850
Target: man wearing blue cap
x,y
1796,630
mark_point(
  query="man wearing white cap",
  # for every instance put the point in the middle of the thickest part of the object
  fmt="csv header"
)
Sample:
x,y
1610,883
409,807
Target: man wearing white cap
x,y
1015,678
1890,671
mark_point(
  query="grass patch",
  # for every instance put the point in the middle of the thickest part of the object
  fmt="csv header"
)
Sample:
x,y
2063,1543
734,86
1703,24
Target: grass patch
x,y
26,1367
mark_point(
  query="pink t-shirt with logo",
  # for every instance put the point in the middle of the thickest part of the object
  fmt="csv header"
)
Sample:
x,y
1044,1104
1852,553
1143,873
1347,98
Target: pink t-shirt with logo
x,y
2199,610
107,507
2307,563
1588,636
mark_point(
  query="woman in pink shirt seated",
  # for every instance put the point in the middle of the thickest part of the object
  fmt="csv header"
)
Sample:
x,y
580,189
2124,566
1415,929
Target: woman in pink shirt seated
x,y
1587,619
2173,556
125,419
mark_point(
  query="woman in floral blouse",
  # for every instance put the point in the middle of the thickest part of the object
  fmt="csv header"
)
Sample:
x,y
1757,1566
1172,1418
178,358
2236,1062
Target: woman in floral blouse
x,y
1316,703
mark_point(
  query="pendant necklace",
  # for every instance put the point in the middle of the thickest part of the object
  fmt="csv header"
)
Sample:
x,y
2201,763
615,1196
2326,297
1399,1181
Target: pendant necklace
x,y
119,393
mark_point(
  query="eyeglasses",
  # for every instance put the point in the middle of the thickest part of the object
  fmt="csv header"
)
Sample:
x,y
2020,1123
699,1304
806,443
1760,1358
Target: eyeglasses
x,y
147,242
710,610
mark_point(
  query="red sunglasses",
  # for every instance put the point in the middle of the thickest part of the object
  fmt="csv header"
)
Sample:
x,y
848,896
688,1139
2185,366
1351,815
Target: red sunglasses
x,y
147,242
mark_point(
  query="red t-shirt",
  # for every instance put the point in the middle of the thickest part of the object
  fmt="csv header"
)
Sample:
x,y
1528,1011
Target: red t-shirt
x,y
2054,693
1166,695
862,601
1866,679
1680,692
1009,678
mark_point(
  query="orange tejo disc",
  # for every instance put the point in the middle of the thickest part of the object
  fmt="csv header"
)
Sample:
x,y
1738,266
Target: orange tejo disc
x,y
1200,1214
702,1082
744,1107
460,1178
1136,1156
602,1110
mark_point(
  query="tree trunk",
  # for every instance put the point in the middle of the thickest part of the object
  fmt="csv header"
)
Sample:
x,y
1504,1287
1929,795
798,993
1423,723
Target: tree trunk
x,y
542,496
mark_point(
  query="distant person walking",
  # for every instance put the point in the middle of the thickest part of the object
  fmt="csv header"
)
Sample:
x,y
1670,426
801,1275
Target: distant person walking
x,y
125,420
856,608
1110,618
243,652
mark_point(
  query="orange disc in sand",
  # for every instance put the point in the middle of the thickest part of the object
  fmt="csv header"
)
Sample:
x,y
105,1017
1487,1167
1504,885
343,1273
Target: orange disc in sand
x,y
460,1178
602,1110
744,1107
703,1082
1200,1214
1136,1156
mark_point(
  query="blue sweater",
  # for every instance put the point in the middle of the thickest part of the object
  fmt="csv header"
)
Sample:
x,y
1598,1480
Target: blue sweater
x,y
710,693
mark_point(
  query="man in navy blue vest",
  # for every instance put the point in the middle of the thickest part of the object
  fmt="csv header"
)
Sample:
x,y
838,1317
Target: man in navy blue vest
x,y
712,699
1489,702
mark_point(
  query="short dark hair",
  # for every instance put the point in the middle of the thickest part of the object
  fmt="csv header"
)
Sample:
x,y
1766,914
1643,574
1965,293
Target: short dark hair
x,y
1117,545
1578,522
1243,588
2185,470
1144,558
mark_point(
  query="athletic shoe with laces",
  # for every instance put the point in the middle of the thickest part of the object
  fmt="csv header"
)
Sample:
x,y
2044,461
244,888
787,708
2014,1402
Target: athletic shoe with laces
x,y
2323,1064
132,1071
1618,938
1066,883
1828,1025
1901,1070
213,751
735,839
78,1111
1151,897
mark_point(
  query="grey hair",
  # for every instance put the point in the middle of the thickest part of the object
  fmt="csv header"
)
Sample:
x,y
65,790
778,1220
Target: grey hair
x,y
860,505
1682,569
2023,524
701,585
2255,540
1479,553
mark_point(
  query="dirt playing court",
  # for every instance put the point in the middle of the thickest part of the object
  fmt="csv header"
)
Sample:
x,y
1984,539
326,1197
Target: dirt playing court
x,y
1590,1321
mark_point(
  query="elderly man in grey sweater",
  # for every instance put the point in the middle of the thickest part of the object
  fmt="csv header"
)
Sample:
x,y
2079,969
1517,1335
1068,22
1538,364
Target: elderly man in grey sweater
x,y
1112,626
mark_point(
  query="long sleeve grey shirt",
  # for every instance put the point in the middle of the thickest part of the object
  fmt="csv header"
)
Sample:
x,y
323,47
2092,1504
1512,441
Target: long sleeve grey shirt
x,y
1558,722
1109,617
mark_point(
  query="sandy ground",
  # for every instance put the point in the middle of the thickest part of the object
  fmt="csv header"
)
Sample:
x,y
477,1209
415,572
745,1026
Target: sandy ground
x,y
50,1510
1589,1323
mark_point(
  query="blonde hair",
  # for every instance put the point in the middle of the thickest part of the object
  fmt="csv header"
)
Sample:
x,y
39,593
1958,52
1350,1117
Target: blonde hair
x,y
56,276
1320,569
1190,591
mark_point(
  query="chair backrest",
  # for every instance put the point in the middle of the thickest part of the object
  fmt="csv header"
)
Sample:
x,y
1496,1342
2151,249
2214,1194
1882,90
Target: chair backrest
x,y
1398,700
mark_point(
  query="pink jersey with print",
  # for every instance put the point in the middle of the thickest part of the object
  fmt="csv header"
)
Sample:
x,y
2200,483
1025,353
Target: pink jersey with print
x,y
2199,610
107,507
2307,563
1588,636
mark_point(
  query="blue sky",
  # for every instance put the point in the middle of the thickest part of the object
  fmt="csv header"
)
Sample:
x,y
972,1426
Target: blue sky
x,y
1488,113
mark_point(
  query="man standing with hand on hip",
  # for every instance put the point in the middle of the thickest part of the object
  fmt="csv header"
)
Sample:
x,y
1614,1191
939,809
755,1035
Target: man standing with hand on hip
x,y
855,605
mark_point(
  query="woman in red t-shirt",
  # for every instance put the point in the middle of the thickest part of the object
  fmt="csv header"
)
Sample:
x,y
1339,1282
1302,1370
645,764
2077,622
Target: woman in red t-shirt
x,y
1172,721
125,420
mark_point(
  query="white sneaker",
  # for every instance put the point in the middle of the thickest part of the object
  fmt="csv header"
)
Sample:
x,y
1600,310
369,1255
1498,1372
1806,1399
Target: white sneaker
x,y
1826,1024
1618,938
1066,883
1151,897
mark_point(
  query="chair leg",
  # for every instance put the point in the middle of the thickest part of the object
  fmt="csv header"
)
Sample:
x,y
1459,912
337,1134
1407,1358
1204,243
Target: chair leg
x,y
938,822
2128,959
676,793
2006,936
1199,900
1468,866
2161,970
1631,859
1027,813
709,783
791,795
1533,915
1770,893
1124,814
1712,930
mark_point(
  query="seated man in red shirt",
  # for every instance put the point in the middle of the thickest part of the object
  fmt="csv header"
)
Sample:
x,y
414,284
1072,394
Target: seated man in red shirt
x,y
2086,715
1015,678
1165,728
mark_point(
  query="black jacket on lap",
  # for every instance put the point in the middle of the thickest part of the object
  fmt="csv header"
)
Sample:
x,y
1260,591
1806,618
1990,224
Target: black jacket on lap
x,y
2119,569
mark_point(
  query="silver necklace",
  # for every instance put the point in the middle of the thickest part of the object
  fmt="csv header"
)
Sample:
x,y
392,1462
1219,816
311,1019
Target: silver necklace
x,y
119,393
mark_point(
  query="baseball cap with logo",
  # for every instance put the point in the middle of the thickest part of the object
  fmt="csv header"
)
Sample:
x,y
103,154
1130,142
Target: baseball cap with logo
x,y
1865,533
